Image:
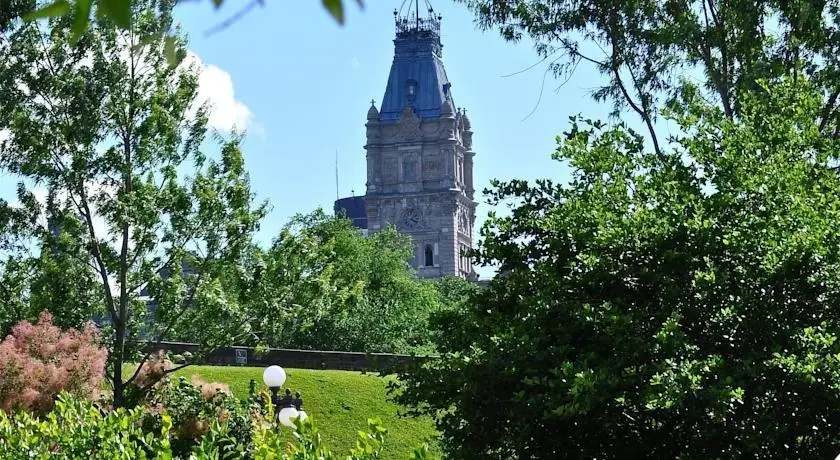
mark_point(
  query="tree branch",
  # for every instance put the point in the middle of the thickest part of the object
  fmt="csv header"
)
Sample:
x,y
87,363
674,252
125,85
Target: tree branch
x,y
173,321
96,252
706,54
615,65
828,109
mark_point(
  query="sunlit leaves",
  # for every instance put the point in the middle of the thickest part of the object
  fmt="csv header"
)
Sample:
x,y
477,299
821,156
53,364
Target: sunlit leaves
x,y
672,306
153,230
118,11
59,8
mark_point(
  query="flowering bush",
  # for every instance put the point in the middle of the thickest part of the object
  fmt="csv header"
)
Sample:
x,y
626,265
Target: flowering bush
x,y
76,429
38,361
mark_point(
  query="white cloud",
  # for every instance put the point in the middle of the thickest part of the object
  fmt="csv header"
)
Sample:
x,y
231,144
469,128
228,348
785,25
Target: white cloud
x,y
215,86
355,63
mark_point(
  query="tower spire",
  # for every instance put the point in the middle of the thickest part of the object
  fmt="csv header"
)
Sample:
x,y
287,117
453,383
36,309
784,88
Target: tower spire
x,y
408,18
418,80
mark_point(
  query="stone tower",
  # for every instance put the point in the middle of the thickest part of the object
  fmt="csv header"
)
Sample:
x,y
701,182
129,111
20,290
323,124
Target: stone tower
x,y
419,155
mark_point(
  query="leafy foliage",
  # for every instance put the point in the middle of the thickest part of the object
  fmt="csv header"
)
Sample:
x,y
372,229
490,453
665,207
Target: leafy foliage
x,y
657,307
141,215
39,361
348,291
77,429
193,408
647,48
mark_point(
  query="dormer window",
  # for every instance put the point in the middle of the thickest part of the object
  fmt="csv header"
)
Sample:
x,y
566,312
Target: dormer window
x,y
411,90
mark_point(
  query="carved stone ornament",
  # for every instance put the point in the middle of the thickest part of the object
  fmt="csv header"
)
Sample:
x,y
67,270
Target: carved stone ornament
x,y
463,222
431,167
409,125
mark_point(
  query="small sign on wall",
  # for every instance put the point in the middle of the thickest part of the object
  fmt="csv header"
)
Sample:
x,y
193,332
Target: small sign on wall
x,y
241,356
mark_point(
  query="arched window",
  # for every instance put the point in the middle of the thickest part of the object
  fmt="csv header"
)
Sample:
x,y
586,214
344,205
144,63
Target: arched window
x,y
429,256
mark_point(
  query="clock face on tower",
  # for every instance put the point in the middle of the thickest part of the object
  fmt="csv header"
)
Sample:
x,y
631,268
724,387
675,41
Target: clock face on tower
x,y
410,218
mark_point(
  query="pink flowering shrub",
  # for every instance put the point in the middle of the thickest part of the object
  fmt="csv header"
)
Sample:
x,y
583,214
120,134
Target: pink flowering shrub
x,y
38,361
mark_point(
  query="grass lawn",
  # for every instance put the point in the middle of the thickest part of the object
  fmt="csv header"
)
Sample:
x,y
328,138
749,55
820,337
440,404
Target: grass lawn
x,y
340,402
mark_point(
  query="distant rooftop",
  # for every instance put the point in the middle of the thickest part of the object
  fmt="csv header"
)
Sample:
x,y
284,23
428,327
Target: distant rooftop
x,y
354,209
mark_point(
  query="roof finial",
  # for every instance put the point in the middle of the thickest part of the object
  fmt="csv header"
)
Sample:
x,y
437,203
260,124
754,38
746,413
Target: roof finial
x,y
408,18
372,114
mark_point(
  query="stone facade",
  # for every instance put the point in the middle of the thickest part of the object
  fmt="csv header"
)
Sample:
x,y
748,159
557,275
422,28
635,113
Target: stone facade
x,y
420,158
420,180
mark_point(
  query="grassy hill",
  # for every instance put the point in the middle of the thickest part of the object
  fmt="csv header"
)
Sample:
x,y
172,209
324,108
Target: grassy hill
x,y
340,402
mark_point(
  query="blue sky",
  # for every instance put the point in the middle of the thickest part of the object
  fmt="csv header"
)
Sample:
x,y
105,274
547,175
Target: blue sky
x,y
301,84
307,83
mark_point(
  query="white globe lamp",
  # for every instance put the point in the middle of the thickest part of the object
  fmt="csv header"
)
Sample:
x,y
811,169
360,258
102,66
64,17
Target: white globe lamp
x,y
288,415
274,376
287,408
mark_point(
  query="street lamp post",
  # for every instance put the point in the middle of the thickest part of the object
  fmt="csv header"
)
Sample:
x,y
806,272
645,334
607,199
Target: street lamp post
x,y
287,407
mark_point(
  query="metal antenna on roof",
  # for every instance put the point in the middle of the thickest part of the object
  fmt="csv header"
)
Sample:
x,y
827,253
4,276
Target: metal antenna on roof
x,y
336,174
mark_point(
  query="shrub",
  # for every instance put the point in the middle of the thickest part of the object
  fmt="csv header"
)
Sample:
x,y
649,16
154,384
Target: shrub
x,y
38,361
76,429
194,407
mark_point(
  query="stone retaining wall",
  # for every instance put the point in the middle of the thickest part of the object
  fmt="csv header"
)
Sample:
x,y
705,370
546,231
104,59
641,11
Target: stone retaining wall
x,y
296,359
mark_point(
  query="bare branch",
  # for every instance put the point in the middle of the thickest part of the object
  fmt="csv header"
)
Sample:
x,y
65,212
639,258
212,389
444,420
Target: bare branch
x,y
236,17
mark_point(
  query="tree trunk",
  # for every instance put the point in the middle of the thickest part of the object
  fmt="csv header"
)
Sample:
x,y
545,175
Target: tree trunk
x,y
120,331
119,359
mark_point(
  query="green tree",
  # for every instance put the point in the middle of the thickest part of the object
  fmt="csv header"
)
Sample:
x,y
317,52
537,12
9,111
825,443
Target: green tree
x,y
645,48
18,223
349,291
41,246
112,130
658,306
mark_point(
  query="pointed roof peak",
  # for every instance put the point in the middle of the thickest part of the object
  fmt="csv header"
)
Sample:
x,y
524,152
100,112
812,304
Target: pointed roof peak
x,y
417,79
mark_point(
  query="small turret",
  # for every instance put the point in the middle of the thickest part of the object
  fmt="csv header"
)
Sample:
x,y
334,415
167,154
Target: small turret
x,y
373,114
465,120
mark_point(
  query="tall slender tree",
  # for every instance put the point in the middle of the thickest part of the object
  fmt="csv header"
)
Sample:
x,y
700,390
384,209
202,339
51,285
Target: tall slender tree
x,y
113,131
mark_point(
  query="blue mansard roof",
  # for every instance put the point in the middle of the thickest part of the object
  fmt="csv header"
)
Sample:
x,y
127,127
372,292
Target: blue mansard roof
x,y
418,64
